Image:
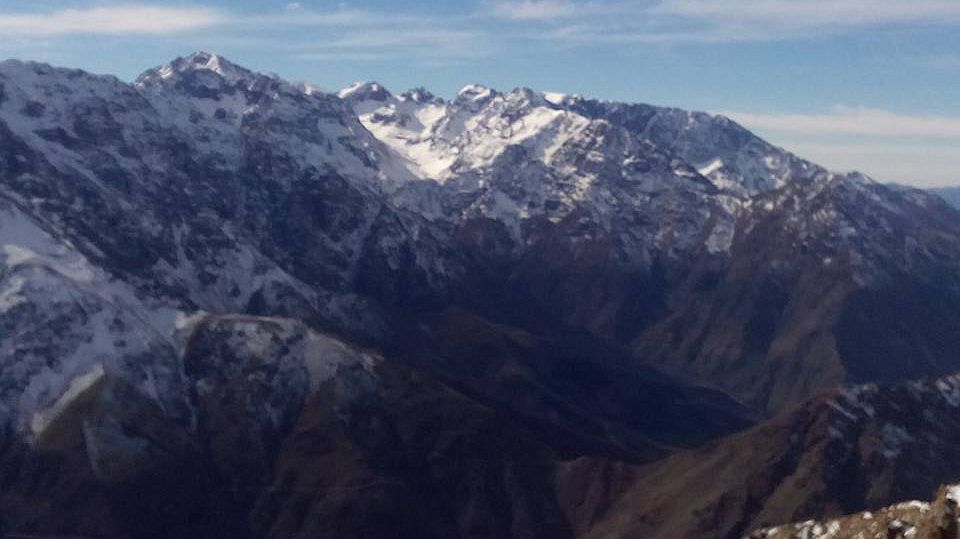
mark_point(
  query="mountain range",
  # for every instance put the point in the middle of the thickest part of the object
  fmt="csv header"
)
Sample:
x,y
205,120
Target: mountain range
x,y
950,194
236,306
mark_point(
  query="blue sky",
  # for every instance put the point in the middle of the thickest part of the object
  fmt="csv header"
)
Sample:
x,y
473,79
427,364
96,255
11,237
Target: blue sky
x,y
872,85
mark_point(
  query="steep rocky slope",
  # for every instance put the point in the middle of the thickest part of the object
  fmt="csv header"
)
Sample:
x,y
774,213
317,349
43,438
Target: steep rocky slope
x,y
681,235
720,258
289,434
827,283
856,449
235,306
950,194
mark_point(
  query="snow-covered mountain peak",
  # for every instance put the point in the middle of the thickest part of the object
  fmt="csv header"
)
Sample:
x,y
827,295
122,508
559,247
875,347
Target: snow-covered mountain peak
x,y
365,91
221,105
366,97
169,251
560,99
212,67
421,96
526,97
215,63
476,94
516,156
442,140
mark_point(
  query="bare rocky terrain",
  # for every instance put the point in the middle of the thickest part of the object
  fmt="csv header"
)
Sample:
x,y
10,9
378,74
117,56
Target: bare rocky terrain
x,y
234,306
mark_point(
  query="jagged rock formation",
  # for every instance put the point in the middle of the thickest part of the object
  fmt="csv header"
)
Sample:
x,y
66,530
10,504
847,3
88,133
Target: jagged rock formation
x,y
235,306
908,520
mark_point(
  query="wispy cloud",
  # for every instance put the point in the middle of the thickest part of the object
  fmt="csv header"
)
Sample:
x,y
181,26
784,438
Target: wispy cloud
x,y
343,19
845,120
915,149
341,56
111,20
814,12
587,34
536,10
922,165
402,39
718,21
387,42
567,23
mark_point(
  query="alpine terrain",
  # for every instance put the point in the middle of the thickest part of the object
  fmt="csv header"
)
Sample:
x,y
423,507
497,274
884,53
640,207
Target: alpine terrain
x,y
235,306
950,194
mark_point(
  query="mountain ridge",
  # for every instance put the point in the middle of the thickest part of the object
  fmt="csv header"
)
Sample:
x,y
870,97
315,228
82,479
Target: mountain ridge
x,y
950,194
553,291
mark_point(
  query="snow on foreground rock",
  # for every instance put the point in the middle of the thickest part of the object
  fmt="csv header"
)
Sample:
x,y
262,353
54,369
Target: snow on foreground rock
x,y
908,520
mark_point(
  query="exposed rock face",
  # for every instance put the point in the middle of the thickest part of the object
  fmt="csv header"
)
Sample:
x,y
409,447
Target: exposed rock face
x,y
108,460
908,520
859,448
844,294
718,257
207,186
950,194
231,306
291,434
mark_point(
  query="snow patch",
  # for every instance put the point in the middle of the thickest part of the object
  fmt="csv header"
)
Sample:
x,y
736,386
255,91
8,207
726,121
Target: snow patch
x,y
475,92
721,237
555,98
11,295
893,438
711,167
78,386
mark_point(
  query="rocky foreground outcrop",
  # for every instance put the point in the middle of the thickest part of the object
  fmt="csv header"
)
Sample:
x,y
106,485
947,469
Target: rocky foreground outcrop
x,y
910,520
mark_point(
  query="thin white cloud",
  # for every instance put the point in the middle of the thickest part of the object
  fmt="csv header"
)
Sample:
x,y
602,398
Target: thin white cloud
x,y
615,34
389,39
569,23
535,10
844,120
922,165
915,149
111,20
808,13
342,56
390,43
717,21
342,18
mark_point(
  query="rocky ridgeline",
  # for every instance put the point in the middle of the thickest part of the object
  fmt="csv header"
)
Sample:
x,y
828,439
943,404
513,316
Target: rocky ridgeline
x,y
910,520
555,290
